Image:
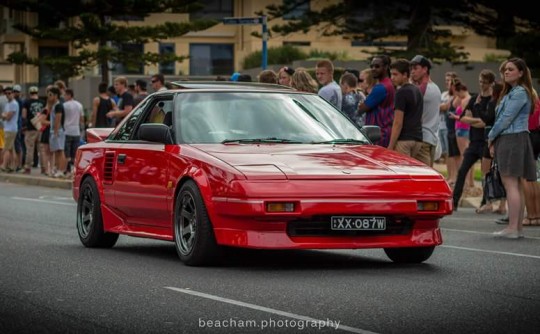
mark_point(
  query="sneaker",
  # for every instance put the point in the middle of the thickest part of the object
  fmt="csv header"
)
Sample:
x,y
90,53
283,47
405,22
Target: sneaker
x,y
58,175
25,171
503,221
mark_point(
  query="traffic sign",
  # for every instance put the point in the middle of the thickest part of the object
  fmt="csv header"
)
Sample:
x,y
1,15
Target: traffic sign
x,y
253,20
242,20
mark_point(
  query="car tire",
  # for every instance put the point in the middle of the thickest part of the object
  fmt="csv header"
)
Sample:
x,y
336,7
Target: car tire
x,y
193,232
409,254
89,218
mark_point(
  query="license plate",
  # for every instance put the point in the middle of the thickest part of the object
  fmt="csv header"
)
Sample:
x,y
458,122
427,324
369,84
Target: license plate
x,y
354,223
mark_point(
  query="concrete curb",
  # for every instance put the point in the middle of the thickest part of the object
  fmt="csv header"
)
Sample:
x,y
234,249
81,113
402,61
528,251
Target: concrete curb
x,y
35,180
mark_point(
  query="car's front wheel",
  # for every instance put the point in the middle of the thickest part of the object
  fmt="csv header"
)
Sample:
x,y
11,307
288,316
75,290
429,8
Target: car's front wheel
x,y
410,254
89,219
193,233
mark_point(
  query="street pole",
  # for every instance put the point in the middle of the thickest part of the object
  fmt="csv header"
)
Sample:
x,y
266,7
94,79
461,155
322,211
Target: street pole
x,y
264,42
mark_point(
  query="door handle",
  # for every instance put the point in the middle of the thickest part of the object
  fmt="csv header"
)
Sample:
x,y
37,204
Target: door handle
x,y
121,159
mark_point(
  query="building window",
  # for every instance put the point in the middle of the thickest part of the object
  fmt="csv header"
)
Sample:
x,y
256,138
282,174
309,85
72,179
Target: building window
x,y
365,43
211,59
47,75
166,67
297,43
214,9
297,9
131,65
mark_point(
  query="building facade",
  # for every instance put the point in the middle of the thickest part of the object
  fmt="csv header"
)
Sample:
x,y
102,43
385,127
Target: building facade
x,y
219,50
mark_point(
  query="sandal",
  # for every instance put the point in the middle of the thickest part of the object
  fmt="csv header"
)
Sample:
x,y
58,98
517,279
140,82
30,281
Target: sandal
x,y
486,208
531,221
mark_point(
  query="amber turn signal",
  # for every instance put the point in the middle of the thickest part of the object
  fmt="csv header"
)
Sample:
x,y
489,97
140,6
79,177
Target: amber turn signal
x,y
427,206
280,207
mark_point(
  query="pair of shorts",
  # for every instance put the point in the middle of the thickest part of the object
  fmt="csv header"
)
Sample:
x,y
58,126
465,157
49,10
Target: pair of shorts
x,y
57,143
9,140
72,143
462,133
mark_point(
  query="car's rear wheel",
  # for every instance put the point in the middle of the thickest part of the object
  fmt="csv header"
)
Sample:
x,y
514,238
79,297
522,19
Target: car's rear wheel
x,y
193,233
89,219
409,254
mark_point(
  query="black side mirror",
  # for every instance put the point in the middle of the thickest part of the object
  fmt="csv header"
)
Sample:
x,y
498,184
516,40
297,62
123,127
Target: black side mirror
x,y
373,132
155,132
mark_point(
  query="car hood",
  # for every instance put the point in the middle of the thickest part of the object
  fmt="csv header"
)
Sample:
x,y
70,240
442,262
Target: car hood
x,y
291,161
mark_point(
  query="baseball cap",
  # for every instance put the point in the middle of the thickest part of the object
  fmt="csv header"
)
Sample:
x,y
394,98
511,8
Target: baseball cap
x,y
33,89
421,60
235,76
17,88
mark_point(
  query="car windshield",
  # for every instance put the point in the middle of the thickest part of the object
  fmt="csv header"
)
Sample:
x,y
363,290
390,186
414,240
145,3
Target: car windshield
x,y
261,117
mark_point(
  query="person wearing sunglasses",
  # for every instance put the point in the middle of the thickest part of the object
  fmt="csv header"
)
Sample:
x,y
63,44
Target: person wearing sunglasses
x,y
158,82
379,104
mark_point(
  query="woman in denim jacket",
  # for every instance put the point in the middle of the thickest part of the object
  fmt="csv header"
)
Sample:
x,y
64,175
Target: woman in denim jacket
x,y
510,143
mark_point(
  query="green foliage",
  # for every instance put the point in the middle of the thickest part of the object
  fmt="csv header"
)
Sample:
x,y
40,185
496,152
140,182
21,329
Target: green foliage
x,y
320,54
368,20
493,58
276,55
97,24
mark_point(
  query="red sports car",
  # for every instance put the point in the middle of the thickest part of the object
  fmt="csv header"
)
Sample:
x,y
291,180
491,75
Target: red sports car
x,y
253,166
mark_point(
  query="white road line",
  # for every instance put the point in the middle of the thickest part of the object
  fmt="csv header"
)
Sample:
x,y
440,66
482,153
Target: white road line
x,y
478,232
42,201
490,251
268,310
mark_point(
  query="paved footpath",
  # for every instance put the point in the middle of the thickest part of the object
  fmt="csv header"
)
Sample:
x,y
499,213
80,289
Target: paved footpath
x,y
35,179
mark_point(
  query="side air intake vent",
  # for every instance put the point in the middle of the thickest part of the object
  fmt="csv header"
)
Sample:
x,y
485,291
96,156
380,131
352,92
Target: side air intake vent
x,y
108,168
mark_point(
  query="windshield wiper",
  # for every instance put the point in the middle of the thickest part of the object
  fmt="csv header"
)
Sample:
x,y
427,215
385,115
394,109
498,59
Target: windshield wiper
x,y
342,141
261,140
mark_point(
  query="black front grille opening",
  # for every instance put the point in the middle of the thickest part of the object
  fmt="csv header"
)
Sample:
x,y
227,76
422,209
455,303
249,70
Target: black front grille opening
x,y
320,226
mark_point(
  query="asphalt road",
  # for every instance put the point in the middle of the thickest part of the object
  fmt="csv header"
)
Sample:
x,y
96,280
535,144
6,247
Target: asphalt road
x,y
50,283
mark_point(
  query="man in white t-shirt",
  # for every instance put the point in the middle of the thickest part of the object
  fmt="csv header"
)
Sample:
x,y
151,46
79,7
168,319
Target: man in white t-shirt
x,y
331,91
74,122
420,67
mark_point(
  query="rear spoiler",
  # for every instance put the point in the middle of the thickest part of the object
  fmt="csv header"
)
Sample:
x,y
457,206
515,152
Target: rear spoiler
x,y
94,135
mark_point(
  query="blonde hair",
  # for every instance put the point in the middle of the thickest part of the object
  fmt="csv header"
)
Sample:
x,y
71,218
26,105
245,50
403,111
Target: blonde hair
x,y
368,75
326,64
304,82
122,80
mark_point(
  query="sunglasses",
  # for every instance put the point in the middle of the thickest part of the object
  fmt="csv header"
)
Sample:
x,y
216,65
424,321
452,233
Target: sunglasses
x,y
360,80
153,81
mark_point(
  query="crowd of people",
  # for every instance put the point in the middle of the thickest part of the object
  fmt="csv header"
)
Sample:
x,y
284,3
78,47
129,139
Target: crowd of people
x,y
46,132
498,125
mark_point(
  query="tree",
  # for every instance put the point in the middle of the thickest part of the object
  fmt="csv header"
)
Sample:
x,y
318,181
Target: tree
x,y
513,24
368,21
86,23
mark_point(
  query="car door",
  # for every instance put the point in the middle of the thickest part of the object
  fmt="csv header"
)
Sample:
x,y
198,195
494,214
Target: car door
x,y
143,192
